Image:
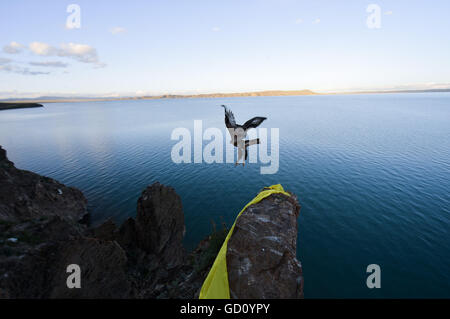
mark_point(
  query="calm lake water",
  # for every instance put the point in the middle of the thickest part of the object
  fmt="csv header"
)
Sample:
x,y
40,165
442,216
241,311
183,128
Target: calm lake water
x,y
372,173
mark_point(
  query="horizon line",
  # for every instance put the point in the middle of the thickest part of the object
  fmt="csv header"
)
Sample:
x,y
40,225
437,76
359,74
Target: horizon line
x,y
86,98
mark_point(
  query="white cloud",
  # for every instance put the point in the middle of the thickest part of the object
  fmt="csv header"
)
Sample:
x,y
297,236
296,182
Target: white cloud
x,y
8,65
41,48
55,64
13,48
20,70
81,52
316,21
388,13
298,21
117,30
215,29
26,71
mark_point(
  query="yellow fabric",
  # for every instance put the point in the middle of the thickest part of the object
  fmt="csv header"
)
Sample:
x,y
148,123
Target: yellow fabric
x,y
215,285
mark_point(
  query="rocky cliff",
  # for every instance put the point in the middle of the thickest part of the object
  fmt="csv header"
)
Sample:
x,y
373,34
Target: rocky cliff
x,y
43,230
261,254
28,196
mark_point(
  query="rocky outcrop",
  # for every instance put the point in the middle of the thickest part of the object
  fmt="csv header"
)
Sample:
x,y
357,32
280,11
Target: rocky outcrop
x,y
28,254
152,241
103,266
160,224
25,195
42,232
261,255
17,105
143,258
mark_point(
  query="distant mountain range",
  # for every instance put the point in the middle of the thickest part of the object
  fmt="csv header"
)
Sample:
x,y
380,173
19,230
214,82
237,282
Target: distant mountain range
x,y
50,99
259,93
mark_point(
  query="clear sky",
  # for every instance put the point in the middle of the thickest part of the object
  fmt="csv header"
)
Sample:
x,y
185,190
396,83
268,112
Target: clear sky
x,y
152,47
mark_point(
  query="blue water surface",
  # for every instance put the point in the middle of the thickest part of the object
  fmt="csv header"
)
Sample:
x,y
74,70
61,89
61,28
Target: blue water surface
x,y
372,174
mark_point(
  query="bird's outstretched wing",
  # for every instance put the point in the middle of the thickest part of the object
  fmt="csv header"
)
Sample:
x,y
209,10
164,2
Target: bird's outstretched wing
x,y
230,122
253,123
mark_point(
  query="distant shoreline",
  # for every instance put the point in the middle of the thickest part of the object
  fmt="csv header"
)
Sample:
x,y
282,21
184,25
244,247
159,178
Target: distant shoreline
x,y
18,105
164,96
32,101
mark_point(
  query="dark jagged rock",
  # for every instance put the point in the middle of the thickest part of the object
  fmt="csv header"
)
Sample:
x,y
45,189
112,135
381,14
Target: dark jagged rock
x,y
40,235
160,224
27,264
261,255
42,217
106,231
103,270
126,236
38,216
158,229
152,241
25,195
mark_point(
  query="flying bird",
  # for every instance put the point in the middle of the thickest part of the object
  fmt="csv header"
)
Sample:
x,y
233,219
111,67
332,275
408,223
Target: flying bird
x,y
239,132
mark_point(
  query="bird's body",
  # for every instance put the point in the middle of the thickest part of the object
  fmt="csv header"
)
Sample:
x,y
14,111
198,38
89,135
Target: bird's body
x,y
239,132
